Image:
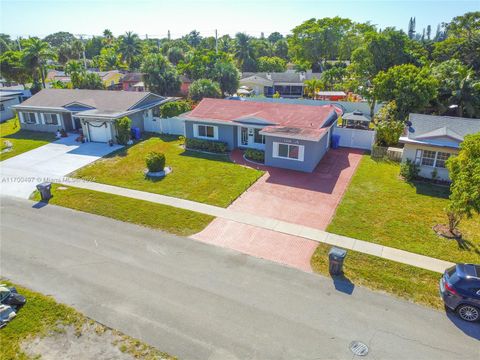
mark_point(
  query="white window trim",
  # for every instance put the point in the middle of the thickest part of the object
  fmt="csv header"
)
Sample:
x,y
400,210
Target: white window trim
x,y
419,158
196,132
301,151
28,117
44,119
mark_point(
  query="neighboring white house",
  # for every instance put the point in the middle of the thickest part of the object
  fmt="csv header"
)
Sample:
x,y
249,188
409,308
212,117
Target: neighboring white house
x,y
430,140
9,98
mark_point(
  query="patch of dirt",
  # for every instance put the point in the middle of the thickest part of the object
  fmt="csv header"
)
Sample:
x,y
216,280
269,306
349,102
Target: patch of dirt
x,y
92,342
445,232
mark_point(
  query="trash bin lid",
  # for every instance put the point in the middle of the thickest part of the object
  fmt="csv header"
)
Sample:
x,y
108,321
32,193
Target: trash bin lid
x,y
44,185
337,252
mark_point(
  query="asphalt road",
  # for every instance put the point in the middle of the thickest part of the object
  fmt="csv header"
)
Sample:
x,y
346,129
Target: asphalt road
x,y
197,301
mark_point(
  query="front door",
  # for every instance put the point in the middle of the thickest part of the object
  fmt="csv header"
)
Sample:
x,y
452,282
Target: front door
x,y
244,136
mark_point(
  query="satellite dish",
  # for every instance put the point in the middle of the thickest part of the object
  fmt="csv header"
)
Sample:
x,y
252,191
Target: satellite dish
x,y
411,130
409,123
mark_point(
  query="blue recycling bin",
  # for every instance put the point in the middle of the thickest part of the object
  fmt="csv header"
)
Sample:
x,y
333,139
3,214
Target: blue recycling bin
x,y
136,133
335,141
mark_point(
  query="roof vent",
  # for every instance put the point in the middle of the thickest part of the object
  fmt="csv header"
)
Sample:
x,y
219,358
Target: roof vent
x,y
357,112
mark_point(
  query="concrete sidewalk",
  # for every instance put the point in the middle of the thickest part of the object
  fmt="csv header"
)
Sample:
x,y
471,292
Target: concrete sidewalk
x,y
320,236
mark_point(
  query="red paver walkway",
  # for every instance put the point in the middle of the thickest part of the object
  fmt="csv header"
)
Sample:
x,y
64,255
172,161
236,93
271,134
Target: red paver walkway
x,y
302,198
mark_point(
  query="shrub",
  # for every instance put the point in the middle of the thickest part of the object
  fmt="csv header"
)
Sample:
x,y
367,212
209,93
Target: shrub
x,y
206,145
409,170
255,155
204,88
174,108
123,130
155,161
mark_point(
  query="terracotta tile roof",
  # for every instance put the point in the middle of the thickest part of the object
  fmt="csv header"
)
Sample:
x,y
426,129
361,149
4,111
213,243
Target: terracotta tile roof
x,y
307,120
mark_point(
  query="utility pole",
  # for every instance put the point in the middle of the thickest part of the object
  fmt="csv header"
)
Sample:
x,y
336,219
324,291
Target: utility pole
x,y
168,36
216,41
83,47
19,45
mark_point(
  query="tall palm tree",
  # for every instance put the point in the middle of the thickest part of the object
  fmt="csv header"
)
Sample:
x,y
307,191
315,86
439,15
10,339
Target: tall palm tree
x,y
467,93
35,57
108,37
243,50
130,47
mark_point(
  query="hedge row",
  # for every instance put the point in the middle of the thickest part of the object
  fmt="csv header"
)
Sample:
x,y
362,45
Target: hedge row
x,y
255,155
206,145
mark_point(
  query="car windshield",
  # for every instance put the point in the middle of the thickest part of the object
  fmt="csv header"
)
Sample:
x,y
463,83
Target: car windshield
x,y
4,293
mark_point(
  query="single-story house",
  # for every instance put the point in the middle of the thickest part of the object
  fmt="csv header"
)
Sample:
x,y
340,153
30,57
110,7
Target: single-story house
x,y
293,136
430,140
130,82
111,79
7,100
93,112
289,84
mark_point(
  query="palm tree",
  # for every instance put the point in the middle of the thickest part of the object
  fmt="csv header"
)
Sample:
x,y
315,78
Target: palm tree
x,y
130,47
108,37
312,86
467,93
35,57
243,50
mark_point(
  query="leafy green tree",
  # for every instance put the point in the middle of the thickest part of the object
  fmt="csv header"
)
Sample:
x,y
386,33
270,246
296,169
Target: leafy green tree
x,y
458,87
160,76
174,108
333,78
12,67
4,46
35,57
204,88
315,40
175,55
411,87
226,74
59,38
274,37
93,47
388,125
280,49
193,38
129,47
464,171
271,64
110,59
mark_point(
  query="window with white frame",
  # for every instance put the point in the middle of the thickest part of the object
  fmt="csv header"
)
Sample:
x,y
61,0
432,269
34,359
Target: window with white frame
x,y
288,151
29,118
51,119
431,158
257,138
205,131
442,157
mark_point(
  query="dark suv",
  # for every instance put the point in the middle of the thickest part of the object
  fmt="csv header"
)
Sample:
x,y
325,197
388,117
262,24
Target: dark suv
x,y
460,290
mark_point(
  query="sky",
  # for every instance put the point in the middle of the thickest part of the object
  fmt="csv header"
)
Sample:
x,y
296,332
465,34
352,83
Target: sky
x,y
155,18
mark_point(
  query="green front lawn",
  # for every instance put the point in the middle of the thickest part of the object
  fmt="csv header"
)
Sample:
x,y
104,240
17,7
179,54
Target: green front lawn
x,y
22,140
157,216
382,208
407,282
211,179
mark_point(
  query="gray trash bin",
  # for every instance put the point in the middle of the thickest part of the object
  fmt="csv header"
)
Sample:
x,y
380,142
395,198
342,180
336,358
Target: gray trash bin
x,y
45,190
336,257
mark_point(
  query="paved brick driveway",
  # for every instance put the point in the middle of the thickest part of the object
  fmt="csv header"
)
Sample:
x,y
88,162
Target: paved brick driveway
x,y
308,199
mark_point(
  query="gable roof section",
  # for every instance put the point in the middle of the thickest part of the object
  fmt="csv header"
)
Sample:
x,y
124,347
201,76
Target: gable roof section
x,y
304,118
289,77
433,130
101,100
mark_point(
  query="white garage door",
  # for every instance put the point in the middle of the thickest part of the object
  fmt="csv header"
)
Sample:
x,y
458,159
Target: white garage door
x,y
99,131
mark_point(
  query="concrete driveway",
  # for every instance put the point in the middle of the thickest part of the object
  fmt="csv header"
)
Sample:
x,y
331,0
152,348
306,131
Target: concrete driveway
x,y
308,199
204,302
20,174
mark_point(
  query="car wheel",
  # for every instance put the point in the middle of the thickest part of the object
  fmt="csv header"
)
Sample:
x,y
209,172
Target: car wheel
x,y
468,313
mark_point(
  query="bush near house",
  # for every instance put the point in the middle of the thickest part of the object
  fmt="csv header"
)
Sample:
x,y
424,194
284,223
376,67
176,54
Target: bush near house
x,y
174,108
255,155
409,170
206,145
155,161
123,130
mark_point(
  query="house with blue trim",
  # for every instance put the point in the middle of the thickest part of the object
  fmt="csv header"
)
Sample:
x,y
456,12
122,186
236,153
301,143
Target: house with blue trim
x,y
292,136
91,112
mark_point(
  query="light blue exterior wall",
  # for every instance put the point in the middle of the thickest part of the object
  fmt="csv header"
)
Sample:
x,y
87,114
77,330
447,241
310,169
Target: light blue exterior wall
x,y
137,120
313,153
226,133
44,127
